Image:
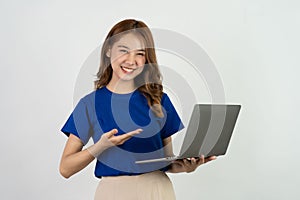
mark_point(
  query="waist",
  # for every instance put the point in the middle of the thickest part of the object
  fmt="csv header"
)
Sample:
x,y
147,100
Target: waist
x,y
126,169
152,174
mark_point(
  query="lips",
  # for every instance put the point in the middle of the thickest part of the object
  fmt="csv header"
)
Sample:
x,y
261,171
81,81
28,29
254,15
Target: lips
x,y
127,69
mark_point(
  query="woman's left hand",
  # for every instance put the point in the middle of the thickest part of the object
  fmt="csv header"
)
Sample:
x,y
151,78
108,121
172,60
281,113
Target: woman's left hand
x,y
189,165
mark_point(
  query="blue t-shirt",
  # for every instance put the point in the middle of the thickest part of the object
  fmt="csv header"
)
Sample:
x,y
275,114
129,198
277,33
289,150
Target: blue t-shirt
x,y
103,110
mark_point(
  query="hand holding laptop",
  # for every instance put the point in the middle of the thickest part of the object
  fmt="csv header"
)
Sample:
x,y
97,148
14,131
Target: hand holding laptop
x,y
189,164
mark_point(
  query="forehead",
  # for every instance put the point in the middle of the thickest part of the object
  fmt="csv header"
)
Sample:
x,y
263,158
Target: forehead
x,y
130,40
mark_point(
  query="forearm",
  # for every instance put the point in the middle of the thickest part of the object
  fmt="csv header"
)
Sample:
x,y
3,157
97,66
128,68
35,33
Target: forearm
x,y
74,163
75,159
168,147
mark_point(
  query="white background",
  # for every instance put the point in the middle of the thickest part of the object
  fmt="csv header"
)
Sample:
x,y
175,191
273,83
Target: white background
x,y
253,43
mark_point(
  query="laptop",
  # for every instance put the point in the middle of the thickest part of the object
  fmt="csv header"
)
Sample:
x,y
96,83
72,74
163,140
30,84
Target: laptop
x,y
208,132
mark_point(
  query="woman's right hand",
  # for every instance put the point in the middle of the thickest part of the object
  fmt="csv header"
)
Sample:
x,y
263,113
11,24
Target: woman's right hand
x,y
109,139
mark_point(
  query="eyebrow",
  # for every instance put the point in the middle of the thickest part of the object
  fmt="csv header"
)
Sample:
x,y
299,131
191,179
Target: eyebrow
x,y
123,46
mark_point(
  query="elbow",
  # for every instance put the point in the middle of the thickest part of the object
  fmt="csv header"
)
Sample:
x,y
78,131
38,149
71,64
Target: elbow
x,y
64,172
65,175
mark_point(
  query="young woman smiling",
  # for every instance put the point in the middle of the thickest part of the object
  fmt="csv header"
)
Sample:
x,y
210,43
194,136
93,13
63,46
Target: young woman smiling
x,y
129,117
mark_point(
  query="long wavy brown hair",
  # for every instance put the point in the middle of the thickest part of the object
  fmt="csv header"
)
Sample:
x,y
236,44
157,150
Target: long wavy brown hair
x,y
149,82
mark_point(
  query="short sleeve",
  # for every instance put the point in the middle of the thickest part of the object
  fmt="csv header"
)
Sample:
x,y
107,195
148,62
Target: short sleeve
x,y
173,122
79,123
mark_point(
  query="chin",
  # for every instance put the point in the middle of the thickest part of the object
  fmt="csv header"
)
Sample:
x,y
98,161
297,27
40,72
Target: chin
x,y
127,78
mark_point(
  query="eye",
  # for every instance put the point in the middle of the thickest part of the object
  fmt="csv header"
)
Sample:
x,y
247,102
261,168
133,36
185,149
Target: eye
x,y
123,51
141,53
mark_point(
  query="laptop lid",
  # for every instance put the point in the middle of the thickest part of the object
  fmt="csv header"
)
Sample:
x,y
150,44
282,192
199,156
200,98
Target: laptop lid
x,y
209,130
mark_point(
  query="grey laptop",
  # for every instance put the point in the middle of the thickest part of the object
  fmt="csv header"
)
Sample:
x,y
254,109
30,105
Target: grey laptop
x,y
208,132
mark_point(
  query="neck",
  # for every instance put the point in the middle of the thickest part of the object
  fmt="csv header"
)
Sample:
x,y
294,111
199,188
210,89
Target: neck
x,y
121,86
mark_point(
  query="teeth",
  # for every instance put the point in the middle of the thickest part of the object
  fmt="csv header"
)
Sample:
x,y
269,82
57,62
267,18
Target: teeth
x,y
127,69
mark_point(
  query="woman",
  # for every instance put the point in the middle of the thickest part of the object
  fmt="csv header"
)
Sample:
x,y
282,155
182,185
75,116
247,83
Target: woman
x,y
129,118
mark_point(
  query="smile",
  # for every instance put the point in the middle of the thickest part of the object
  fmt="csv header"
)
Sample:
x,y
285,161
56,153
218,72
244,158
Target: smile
x,y
127,69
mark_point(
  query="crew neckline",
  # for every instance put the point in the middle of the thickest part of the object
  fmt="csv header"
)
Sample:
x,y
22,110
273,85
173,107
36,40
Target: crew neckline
x,y
119,94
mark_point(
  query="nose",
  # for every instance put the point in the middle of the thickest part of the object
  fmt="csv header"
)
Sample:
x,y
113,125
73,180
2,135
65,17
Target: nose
x,y
130,58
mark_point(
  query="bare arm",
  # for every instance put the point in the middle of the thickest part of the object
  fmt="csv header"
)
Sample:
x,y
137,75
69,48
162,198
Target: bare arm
x,y
75,159
168,147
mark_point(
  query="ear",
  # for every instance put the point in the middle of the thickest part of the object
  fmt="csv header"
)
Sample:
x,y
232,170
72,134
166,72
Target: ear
x,y
108,53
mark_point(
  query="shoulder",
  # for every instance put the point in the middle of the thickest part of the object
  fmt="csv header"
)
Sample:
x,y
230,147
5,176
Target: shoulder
x,y
166,102
92,96
86,99
165,99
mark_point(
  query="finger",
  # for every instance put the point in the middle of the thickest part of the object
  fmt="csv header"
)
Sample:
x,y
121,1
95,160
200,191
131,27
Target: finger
x,y
201,159
111,133
128,135
210,158
135,132
186,162
193,161
123,138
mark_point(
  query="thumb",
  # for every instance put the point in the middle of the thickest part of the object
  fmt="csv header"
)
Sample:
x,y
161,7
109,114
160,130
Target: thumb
x,y
111,133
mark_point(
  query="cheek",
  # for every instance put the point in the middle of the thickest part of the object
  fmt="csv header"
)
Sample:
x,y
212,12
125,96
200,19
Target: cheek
x,y
141,62
117,58
139,70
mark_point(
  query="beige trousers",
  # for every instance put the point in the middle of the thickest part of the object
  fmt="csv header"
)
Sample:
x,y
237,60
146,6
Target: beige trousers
x,y
150,186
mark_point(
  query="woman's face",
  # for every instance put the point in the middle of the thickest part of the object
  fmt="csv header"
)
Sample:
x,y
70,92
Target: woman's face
x,y
127,56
